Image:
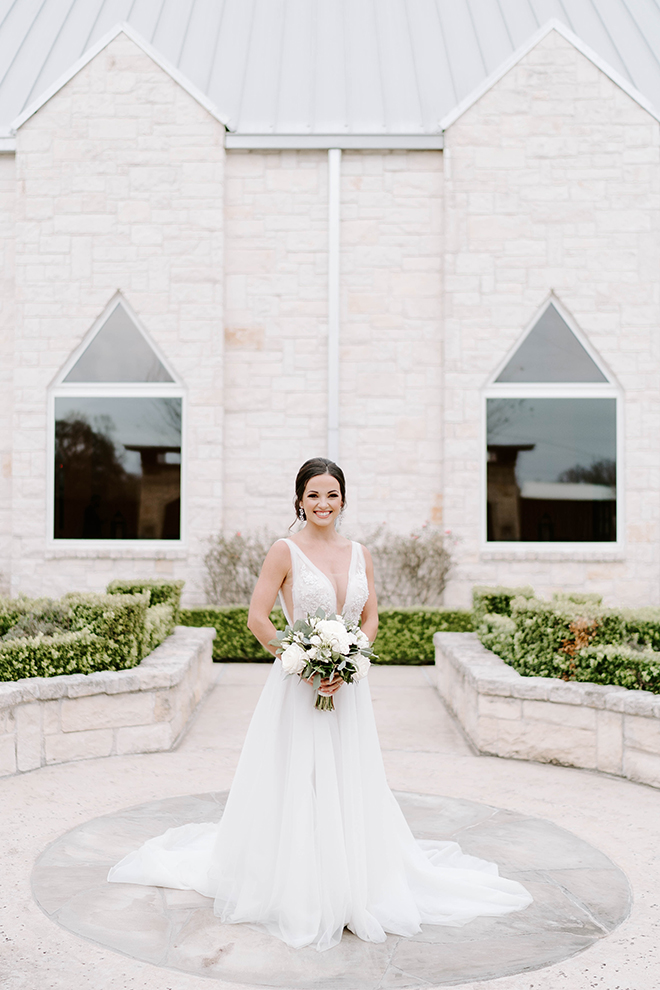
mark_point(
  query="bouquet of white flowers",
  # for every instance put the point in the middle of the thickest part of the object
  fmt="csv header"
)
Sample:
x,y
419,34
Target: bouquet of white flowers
x,y
324,646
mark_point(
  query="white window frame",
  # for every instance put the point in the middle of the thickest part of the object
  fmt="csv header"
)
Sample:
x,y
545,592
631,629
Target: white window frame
x,y
554,390
133,390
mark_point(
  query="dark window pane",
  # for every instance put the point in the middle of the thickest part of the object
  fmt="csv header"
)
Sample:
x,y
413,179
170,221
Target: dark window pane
x,y
117,469
551,353
551,470
118,353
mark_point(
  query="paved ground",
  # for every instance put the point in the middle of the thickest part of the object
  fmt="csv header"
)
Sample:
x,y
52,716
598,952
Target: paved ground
x,y
424,753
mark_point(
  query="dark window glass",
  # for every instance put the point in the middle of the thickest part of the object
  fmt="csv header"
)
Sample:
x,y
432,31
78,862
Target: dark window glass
x,y
117,468
551,469
118,353
551,353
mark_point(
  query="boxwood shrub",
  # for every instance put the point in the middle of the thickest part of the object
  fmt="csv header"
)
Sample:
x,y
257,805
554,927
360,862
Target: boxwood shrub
x,y
573,637
164,607
48,656
404,635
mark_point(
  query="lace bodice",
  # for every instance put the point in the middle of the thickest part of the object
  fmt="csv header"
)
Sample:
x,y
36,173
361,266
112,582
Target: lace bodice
x,y
312,589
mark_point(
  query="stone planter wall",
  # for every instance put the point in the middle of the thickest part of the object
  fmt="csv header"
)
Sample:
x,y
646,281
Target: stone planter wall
x,y
542,718
45,720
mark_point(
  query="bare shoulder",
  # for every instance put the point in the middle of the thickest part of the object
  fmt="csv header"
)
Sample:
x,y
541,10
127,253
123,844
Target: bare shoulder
x,y
279,556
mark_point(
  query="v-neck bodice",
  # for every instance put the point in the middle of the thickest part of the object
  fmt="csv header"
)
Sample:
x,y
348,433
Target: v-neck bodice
x,y
312,589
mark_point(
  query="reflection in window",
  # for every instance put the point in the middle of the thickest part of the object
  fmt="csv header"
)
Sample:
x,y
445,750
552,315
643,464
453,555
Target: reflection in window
x,y
551,469
117,468
118,353
551,353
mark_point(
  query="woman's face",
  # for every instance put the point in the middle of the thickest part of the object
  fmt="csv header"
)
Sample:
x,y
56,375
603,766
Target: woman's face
x,y
322,500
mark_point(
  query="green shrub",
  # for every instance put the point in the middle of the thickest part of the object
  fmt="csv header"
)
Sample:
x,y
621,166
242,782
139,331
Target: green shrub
x,y
496,632
621,665
404,635
578,597
13,610
497,600
234,640
161,592
118,619
158,624
48,656
642,626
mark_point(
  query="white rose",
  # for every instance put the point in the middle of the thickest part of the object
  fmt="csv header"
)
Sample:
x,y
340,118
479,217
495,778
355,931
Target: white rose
x,y
316,640
361,639
294,659
362,664
335,633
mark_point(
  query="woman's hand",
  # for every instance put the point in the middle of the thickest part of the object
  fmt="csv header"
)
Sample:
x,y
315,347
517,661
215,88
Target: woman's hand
x,y
327,687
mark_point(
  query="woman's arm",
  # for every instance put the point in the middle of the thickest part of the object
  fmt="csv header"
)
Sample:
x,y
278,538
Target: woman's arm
x,y
273,575
370,610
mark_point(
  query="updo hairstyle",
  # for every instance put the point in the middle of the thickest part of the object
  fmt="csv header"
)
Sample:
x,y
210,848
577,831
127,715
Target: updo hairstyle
x,y
311,469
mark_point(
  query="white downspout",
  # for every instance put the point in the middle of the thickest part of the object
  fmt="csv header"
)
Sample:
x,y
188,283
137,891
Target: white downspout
x,y
334,177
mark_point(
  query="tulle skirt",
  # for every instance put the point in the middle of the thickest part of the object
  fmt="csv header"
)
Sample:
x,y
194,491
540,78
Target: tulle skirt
x,y
312,839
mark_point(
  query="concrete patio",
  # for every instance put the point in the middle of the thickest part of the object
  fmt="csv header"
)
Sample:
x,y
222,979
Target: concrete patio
x,y
510,811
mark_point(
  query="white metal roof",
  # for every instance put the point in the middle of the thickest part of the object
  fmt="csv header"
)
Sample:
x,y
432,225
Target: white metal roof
x,y
313,68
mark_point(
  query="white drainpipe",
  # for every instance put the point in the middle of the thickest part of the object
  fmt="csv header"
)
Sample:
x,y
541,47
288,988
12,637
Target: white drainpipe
x,y
334,177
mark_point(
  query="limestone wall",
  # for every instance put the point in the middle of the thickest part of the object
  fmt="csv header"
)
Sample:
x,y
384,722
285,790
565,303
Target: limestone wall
x,y
120,186
45,720
7,206
276,334
593,726
552,184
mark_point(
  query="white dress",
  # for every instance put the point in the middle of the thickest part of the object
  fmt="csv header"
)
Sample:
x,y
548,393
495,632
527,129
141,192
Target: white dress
x,y
312,840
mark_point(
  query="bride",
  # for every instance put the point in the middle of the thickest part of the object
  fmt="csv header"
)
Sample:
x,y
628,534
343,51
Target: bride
x,y
312,840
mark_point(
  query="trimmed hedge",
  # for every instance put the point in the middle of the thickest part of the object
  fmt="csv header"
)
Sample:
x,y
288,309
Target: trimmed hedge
x,y
497,600
161,592
404,635
234,640
163,611
573,637
78,652
120,620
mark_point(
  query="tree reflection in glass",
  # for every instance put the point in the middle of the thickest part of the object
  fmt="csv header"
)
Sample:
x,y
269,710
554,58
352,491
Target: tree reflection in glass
x,y
551,469
117,468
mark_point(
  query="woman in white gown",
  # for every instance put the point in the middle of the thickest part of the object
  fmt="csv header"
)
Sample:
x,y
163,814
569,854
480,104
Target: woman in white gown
x,y
312,840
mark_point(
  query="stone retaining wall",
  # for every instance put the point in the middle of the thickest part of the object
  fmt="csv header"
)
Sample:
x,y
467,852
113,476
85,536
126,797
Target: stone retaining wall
x,y
45,720
593,726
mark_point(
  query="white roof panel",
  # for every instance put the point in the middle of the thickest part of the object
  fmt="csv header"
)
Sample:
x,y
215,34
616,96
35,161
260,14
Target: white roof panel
x,y
322,67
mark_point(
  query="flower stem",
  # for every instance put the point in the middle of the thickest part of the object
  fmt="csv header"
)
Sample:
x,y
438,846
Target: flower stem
x,y
324,703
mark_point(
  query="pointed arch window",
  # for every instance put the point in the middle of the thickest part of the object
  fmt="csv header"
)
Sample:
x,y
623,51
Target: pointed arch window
x,y
552,441
117,426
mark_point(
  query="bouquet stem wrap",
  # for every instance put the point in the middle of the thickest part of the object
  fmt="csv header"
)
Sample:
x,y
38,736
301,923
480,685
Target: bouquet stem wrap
x,y
324,647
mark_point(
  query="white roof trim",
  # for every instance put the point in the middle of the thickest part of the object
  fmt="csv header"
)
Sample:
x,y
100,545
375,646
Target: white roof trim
x,y
345,141
92,52
551,25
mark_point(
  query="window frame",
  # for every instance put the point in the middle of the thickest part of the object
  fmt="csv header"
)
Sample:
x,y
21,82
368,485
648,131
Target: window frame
x,y
130,390
552,390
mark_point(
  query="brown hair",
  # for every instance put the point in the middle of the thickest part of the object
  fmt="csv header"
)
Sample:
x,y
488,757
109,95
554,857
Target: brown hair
x,y
311,469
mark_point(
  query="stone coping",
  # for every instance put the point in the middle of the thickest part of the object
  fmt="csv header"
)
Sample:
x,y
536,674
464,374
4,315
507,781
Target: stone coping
x,y
165,667
593,726
47,720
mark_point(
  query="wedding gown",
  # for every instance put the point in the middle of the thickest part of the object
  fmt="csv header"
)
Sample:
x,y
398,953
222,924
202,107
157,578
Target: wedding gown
x,y
312,840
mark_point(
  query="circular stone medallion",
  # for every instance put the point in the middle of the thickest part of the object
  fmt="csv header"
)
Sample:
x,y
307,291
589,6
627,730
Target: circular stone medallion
x,y
579,895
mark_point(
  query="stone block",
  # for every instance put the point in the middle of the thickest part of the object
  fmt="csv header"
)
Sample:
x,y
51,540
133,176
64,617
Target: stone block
x,y
548,743
144,738
642,733
609,741
508,708
107,711
7,754
565,715
51,717
642,767
28,736
66,746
